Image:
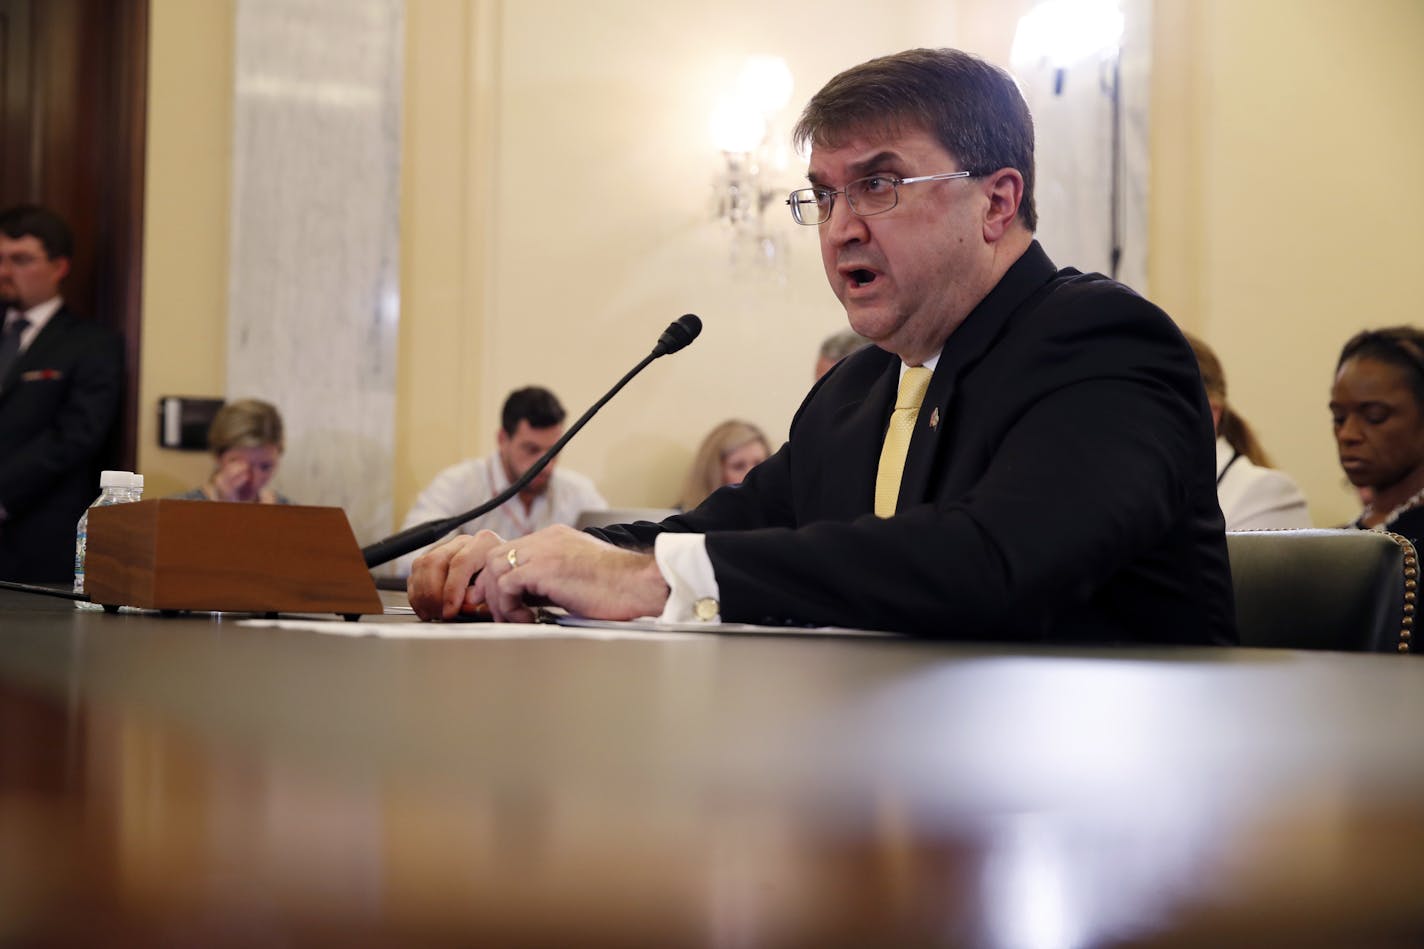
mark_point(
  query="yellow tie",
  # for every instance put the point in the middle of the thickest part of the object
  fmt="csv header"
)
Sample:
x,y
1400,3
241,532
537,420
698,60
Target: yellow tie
x,y
913,384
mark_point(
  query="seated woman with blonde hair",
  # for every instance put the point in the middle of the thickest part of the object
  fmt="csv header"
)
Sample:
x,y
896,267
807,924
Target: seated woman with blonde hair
x,y
246,443
1252,494
725,456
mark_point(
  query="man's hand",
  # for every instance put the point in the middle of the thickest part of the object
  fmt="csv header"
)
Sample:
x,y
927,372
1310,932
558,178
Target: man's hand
x,y
439,583
556,565
569,568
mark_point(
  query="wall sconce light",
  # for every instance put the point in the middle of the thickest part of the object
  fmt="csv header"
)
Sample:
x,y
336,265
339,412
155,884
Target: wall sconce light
x,y
1063,33
741,126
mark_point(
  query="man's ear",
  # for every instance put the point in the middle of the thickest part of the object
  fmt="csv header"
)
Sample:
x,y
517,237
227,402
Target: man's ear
x,y
501,437
62,266
1005,189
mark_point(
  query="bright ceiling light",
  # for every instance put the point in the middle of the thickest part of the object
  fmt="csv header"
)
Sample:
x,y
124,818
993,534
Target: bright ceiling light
x,y
765,82
1064,32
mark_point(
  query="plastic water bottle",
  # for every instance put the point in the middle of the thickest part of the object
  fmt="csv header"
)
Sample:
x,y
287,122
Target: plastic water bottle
x,y
115,487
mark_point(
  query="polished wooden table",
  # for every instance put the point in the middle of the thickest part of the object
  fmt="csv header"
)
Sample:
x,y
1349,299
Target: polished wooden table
x,y
193,782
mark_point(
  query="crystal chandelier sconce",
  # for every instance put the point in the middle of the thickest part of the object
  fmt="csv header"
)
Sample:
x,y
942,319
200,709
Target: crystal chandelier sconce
x,y
742,127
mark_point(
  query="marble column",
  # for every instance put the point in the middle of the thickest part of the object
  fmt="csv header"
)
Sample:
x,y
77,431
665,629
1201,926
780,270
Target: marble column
x,y
314,298
1074,118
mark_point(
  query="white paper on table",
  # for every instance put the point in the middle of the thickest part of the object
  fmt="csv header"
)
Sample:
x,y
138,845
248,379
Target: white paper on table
x,y
652,624
600,631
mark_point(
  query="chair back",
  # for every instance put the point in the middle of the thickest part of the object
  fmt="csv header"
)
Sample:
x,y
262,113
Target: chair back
x,y
1345,590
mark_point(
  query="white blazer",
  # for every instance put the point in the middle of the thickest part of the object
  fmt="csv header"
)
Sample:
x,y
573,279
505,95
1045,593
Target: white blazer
x,y
1256,498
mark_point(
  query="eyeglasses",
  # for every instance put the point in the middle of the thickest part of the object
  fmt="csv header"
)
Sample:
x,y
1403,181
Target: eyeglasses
x,y
873,194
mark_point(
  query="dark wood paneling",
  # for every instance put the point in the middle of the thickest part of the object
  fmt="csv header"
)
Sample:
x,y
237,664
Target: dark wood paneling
x,y
74,77
16,167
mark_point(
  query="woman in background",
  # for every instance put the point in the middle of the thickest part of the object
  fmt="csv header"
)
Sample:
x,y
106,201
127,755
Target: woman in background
x,y
1252,494
726,455
1377,408
246,442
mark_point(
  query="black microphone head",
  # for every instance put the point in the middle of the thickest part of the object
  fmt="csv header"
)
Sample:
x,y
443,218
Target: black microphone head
x,y
679,333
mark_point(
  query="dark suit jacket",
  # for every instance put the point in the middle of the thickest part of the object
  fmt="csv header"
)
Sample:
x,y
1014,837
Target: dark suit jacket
x,y
1060,485
57,404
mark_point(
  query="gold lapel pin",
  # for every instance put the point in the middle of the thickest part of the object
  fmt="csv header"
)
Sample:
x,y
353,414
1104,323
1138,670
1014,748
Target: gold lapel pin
x,y
934,417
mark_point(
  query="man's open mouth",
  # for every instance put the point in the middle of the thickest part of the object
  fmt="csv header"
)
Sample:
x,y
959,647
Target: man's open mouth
x,y
861,277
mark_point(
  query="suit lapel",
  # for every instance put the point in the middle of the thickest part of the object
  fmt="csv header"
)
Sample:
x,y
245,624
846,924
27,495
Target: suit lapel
x,y
964,348
49,338
859,427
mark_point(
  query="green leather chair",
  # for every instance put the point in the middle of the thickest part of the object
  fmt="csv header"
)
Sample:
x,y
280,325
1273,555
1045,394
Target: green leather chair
x,y
1347,590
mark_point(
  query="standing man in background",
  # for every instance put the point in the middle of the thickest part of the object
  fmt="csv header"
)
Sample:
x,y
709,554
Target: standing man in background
x,y
531,421
61,379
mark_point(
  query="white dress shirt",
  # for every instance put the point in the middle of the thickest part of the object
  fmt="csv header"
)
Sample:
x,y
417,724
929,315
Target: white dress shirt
x,y
38,315
476,480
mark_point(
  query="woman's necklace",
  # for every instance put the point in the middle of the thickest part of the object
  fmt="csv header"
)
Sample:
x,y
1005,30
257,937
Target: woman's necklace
x,y
1411,502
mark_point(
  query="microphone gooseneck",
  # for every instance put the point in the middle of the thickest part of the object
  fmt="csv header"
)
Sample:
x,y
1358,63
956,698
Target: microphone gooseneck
x,y
679,333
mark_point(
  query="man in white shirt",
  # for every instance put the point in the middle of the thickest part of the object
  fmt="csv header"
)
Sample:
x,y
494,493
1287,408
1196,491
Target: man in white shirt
x,y
1024,454
531,421
61,381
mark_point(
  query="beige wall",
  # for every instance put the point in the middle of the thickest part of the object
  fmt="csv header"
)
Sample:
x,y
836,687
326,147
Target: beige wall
x,y
450,111
558,216
185,223
557,184
1287,190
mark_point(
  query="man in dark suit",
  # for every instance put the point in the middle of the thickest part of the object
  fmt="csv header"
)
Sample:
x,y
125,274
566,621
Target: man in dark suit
x,y
1026,453
60,383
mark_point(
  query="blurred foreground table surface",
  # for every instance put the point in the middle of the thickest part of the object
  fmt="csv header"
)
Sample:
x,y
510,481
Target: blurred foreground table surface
x,y
189,781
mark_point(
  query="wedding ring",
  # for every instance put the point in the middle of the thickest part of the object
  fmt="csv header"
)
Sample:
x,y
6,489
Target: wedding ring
x,y
512,557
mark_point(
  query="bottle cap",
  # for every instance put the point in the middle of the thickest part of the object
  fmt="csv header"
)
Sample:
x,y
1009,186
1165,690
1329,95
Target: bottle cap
x,y
115,479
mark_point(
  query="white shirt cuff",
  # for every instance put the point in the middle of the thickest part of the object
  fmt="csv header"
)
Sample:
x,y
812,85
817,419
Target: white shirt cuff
x,y
682,560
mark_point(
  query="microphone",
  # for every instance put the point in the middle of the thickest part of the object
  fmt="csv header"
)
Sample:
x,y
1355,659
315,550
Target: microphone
x,y
679,333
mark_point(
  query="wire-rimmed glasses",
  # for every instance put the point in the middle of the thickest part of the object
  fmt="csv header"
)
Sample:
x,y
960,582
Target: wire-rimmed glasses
x,y
873,194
